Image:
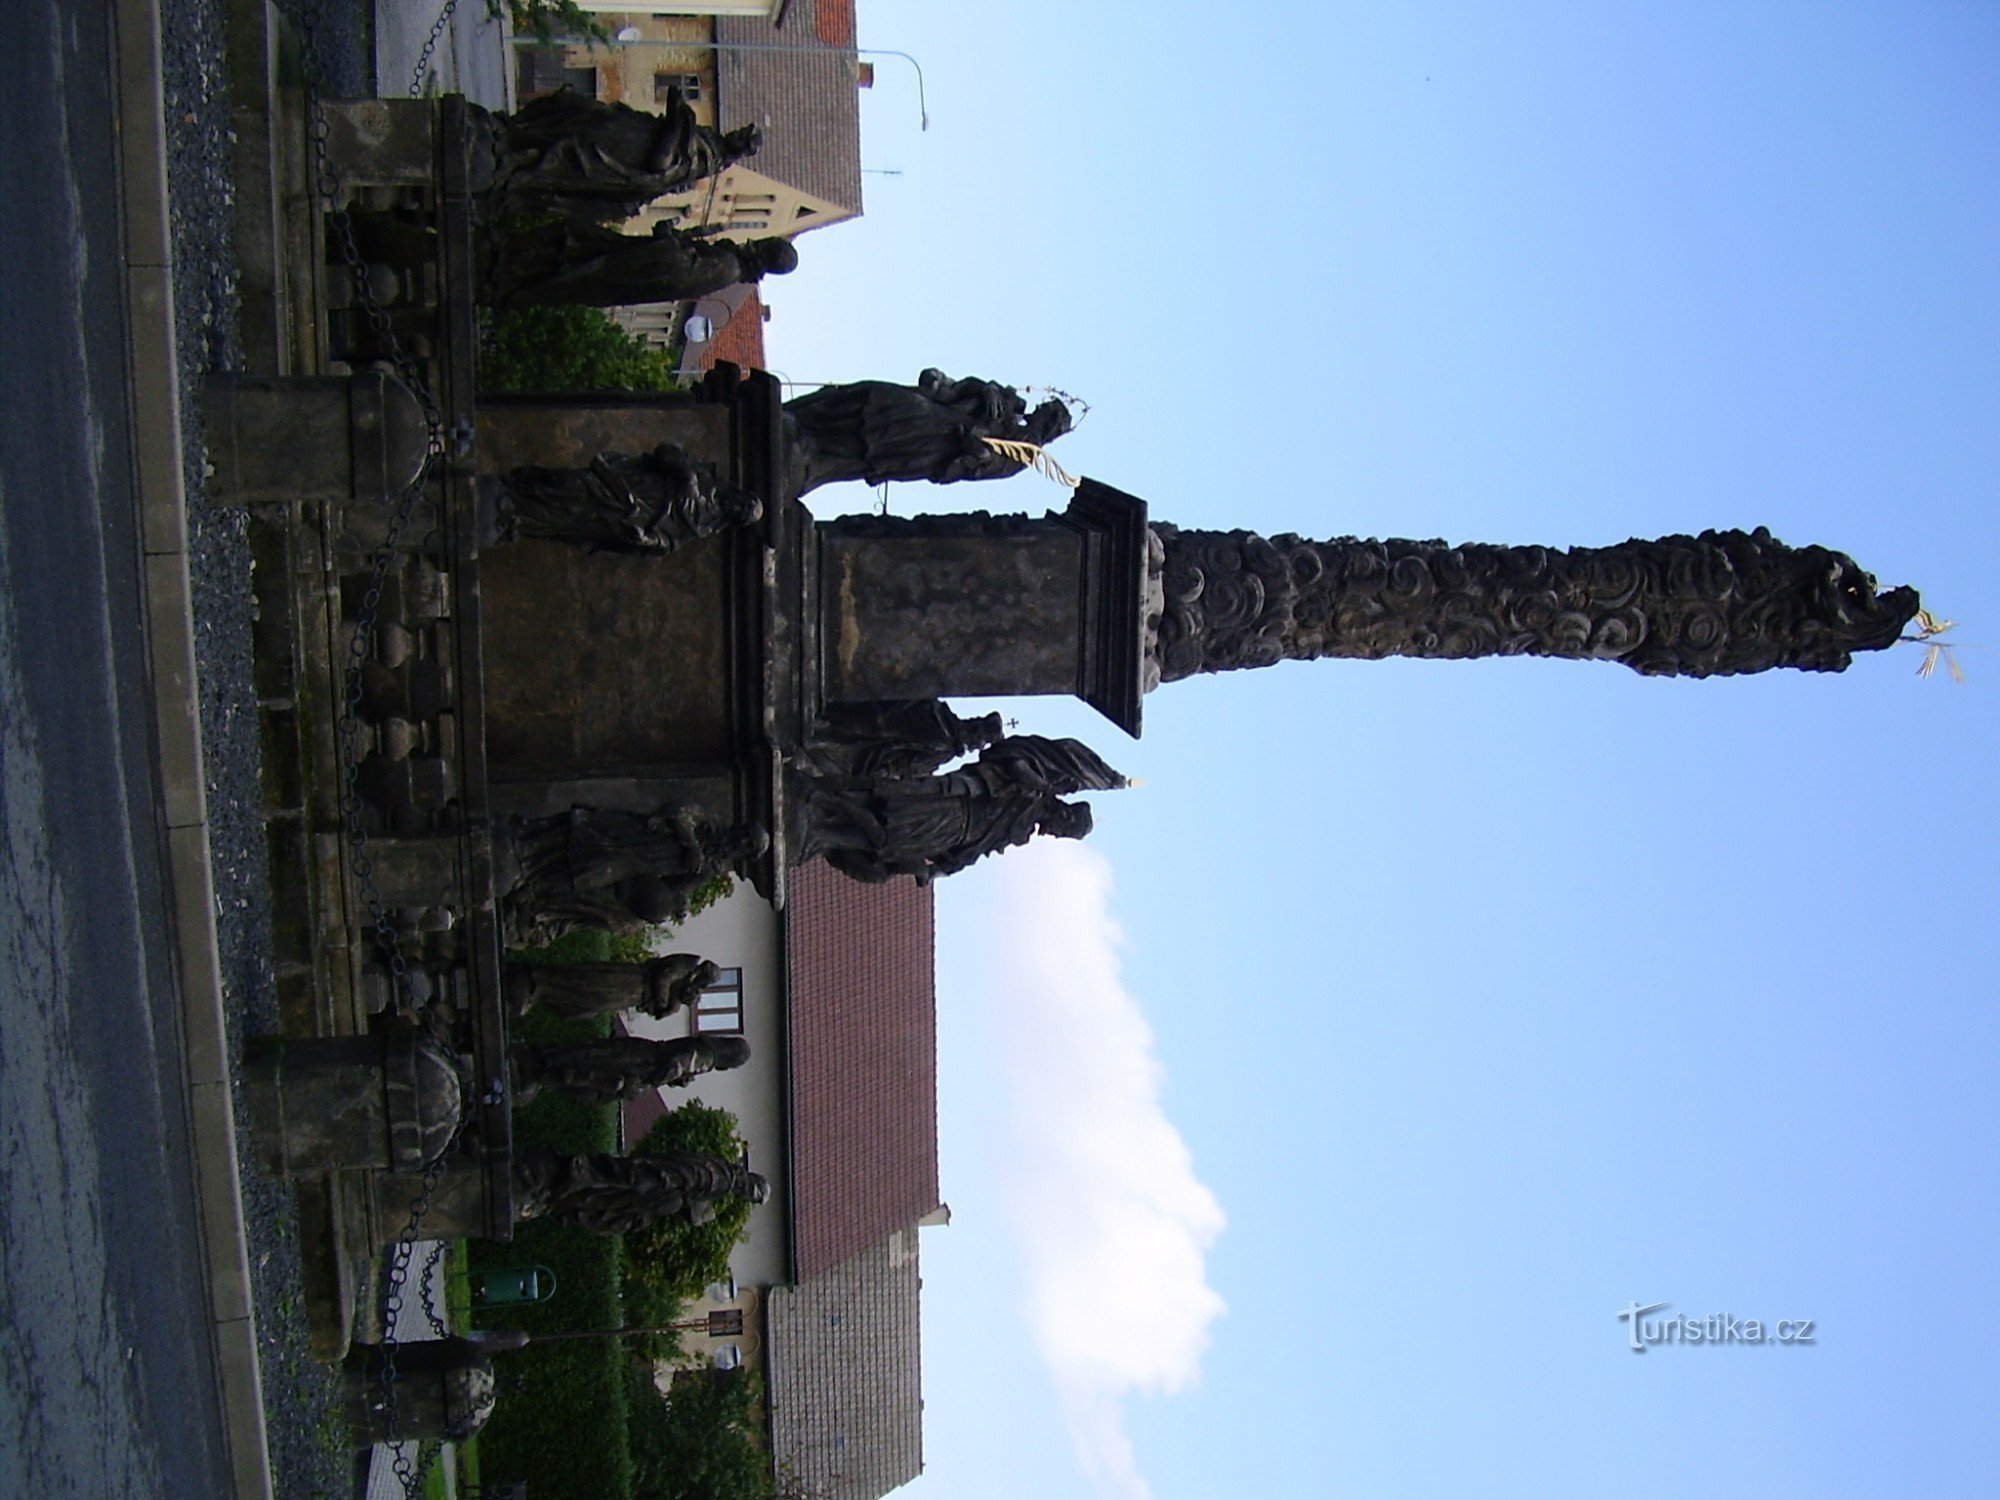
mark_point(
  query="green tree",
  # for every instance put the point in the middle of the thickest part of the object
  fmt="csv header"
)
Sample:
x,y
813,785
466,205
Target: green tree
x,y
545,20
679,1258
567,349
703,1440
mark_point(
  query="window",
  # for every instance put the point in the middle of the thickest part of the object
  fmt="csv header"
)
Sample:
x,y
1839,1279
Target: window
x,y
720,1006
728,1357
583,80
689,85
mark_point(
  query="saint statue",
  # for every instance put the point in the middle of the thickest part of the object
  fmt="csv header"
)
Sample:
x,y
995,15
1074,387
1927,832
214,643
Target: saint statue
x,y
875,430
618,1194
604,1070
596,161
658,988
874,829
588,265
591,867
649,502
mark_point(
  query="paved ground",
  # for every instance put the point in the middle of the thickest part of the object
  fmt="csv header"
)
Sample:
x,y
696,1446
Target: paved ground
x,y
420,1318
108,1385
470,59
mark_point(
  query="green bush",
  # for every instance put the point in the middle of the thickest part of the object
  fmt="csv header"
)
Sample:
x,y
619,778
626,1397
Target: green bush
x,y
567,349
702,1441
679,1258
545,20
710,891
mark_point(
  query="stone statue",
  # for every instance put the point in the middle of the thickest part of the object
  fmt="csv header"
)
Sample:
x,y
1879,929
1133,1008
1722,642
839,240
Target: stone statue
x,y
658,988
444,1388
618,1194
620,871
591,160
926,827
1721,603
588,265
1064,766
877,431
607,1069
895,738
651,502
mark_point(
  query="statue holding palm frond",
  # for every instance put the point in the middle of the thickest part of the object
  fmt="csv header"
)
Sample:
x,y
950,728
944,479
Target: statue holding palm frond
x,y
935,430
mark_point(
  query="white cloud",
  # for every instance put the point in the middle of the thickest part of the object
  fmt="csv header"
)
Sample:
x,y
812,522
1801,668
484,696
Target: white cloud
x,y
1113,1222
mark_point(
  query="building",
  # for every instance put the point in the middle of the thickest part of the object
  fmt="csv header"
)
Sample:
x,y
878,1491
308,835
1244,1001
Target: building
x,y
837,997
786,66
794,74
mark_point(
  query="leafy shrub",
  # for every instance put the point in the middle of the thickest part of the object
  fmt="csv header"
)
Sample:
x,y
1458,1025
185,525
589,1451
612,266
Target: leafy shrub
x,y
559,1420
545,20
704,1440
567,349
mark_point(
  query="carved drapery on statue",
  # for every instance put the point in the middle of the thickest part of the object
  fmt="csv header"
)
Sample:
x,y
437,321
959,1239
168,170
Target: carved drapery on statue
x,y
588,265
593,867
603,1070
647,502
619,1194
894,738
876,828
595,160
658,988
877,431
1722,603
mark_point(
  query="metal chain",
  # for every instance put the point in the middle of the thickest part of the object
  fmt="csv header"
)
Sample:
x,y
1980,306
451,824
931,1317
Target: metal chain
x,y
430,45
427,1290
410,1474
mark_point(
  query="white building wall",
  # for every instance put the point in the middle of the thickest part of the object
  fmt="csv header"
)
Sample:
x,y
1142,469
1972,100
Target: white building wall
x,y
741,932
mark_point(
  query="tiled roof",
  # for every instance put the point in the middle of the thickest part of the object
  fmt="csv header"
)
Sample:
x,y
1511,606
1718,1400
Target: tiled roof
x,y
843,1373
804,98
741,339
863,1032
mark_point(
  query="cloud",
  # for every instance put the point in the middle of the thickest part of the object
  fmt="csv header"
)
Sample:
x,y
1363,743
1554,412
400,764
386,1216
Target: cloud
x,y
1114,1224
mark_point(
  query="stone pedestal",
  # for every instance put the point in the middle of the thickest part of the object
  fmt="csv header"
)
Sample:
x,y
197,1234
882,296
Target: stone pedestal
x,y
965,605
371,1102
637,682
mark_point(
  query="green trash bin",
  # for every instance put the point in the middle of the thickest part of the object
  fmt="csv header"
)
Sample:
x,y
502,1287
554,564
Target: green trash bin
x,y
512,1284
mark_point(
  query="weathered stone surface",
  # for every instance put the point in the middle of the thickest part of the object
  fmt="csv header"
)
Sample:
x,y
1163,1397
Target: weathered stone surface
x,y
595,160
604,1070
1717,604
605,661
935,430
657,988
651,503
595,867
443,1388
618,1194
925,826
378,1102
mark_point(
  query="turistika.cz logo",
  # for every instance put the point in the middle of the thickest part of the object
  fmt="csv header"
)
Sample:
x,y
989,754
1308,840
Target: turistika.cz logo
x,y
1717,1328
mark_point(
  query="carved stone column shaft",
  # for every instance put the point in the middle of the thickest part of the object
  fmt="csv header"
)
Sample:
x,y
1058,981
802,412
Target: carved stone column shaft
x,y
1721,603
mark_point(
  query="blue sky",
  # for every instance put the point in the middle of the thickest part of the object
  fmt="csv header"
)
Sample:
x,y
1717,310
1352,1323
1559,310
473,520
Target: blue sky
x,y
1419,1016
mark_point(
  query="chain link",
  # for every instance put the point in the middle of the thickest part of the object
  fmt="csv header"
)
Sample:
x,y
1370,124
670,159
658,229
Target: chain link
x,y
410,1473
430,45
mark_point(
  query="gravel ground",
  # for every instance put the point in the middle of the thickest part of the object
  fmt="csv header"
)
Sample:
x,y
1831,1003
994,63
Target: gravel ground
x,y
308,1450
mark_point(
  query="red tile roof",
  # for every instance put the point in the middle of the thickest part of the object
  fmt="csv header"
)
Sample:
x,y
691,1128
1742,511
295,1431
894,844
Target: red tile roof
x,y
800,87
863,1023
834,23
741,339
